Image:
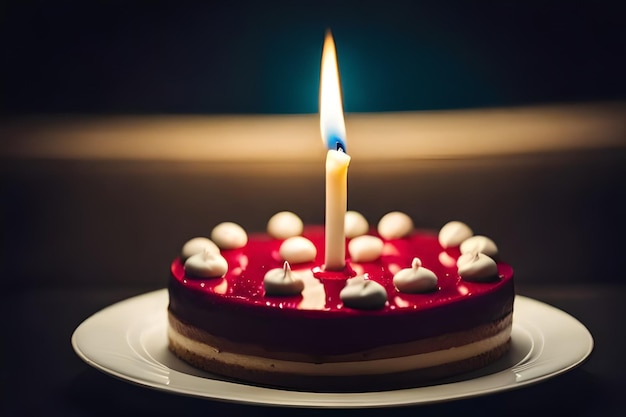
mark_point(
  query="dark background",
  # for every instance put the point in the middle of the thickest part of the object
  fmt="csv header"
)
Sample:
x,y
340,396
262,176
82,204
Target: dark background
x,y
152,58
78,235
246,56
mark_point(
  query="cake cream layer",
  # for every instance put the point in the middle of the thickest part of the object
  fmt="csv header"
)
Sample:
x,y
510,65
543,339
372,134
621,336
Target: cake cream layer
x,y
179,343
448,341
235,307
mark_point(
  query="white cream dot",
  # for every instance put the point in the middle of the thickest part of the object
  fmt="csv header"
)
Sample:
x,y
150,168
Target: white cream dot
x,y
355,224
363,294
416,279
206,265
395,225
365,248
228,235
284,224
477,267
198,245
453,233
297,249
280,281
479,244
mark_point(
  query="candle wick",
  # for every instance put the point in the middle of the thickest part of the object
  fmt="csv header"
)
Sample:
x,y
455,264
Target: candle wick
x,y
340,147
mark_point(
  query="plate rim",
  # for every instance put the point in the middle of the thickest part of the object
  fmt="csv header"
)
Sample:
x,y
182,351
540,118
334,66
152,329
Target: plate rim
x,y
318,399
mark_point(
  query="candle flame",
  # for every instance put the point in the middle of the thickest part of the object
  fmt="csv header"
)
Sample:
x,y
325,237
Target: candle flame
x,y
332,124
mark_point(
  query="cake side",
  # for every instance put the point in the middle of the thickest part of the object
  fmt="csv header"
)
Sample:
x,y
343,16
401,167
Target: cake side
x,y
342,375
457,345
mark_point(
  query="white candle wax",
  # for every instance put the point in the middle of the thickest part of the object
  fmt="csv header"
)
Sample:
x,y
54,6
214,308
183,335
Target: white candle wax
x,y
336,204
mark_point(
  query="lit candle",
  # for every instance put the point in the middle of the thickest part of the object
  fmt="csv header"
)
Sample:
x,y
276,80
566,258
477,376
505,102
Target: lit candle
x,y
333,131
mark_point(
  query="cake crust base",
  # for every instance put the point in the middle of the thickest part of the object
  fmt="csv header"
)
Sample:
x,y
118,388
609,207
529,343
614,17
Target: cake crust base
x,y
268,375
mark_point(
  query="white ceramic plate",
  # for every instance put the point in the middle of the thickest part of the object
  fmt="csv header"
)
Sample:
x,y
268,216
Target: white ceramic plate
x,y
128,340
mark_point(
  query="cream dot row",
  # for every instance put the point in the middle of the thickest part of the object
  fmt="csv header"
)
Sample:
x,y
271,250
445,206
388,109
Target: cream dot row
x,y
203,259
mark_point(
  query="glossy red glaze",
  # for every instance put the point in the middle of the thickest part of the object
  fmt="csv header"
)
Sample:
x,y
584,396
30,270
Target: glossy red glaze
x,y
235,306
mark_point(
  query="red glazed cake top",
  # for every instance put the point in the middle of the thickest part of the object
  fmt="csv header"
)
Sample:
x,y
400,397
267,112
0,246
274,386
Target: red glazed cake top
x,y
236,307
243,283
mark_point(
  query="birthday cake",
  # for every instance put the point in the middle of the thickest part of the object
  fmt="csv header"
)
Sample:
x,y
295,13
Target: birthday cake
x,y
410,306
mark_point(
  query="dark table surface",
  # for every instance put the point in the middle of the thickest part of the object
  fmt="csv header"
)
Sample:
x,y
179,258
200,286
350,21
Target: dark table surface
x,y
79,235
